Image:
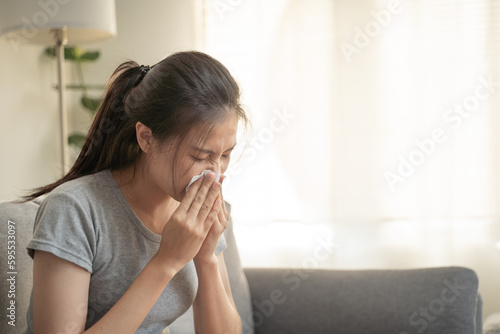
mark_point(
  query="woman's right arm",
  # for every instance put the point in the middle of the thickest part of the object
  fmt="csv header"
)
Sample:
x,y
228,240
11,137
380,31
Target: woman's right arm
x,y
60,296
60,288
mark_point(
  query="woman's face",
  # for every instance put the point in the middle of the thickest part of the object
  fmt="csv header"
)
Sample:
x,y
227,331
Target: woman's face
x,y
171,171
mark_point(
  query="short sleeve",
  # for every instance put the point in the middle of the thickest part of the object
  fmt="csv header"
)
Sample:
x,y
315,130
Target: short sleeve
x,y
65,229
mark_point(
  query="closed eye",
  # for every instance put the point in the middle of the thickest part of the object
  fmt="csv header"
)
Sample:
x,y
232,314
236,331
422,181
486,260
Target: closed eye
x,y
198,159
202,150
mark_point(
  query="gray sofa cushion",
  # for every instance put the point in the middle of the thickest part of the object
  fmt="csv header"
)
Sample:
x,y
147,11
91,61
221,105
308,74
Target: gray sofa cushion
x,y
430,301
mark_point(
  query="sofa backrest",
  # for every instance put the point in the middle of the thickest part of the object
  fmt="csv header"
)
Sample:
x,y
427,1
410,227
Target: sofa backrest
x,y
441,300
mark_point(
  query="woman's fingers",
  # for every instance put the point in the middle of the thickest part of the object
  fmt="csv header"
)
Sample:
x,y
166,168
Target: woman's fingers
x,y
191,194
209,207
203,201
223,209
212,217
222,217
194,196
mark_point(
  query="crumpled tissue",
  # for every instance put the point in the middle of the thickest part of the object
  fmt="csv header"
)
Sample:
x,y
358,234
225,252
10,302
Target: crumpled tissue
x,y
205,172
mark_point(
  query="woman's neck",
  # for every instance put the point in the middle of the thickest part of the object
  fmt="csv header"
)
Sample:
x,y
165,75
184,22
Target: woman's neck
x,y
152,205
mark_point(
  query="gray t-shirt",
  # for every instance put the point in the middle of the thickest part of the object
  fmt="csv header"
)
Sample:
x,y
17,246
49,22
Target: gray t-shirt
x,y
88,222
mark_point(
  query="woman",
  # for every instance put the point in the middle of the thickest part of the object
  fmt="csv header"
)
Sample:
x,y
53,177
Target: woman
x,y
119,245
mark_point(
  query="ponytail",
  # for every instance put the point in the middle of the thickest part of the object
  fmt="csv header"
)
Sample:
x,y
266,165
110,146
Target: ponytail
x,y
111,141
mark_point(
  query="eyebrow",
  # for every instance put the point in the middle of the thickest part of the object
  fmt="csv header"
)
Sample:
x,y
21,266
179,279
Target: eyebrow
x,y
211,152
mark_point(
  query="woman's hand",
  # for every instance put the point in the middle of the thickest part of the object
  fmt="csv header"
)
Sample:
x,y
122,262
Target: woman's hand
x,y
207,250
187,229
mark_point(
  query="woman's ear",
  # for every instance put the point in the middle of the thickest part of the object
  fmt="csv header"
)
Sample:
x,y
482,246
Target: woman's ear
x,y
144,137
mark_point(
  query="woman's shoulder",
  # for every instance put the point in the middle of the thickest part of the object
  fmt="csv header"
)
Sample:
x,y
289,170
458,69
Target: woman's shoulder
x,y
90,187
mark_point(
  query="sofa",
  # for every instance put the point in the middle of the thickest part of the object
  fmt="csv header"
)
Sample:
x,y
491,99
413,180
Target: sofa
x,y
289,301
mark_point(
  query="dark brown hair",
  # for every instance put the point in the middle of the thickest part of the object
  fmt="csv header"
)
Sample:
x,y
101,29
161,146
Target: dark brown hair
x,y
181,91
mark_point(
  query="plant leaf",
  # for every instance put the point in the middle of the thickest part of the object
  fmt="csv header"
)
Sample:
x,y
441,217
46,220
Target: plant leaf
x,y
74,53
90,56
49,52
91,104
77,139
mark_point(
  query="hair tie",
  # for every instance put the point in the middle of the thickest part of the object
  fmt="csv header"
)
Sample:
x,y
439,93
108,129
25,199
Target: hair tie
x,y
144,71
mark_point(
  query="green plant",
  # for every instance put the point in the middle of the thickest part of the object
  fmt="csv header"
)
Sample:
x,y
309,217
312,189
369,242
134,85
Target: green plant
x,y
78,56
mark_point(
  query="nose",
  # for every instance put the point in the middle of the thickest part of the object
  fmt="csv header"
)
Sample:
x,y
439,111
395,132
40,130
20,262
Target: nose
x,y
214,165
217,167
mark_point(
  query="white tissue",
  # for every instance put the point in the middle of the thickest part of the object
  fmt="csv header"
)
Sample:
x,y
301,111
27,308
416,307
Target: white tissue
x,y
205,172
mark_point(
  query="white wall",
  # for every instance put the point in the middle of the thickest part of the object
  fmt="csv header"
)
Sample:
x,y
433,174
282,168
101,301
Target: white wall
x,y
29,143
28,118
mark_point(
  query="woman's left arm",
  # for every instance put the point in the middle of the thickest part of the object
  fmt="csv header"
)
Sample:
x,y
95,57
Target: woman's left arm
x,y
214,310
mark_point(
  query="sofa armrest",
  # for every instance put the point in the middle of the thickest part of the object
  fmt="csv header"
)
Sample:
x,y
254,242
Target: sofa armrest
x,y
434,300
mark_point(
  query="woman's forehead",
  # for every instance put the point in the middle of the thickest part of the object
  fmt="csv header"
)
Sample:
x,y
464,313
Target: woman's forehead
x,y
213,136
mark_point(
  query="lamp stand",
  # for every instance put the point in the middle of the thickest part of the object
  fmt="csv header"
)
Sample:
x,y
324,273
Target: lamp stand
x,y
61,39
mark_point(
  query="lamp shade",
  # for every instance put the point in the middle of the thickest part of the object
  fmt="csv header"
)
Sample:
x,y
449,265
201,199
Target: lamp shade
x,y
31,21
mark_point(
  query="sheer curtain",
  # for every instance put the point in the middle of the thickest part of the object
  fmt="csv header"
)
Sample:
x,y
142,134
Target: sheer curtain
x,y
281,53
390,137
418,134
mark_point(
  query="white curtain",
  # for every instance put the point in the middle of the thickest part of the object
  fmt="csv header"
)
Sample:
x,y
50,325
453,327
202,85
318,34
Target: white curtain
x,y
391,128
281,55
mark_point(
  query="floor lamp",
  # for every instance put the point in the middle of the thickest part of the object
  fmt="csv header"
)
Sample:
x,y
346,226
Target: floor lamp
x,y
57,23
